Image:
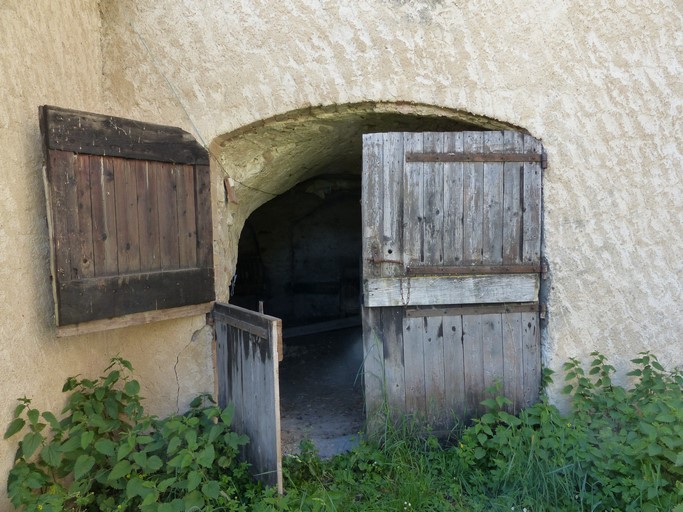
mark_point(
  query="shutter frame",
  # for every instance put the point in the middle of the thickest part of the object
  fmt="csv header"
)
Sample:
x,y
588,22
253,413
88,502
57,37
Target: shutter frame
x,y
108,183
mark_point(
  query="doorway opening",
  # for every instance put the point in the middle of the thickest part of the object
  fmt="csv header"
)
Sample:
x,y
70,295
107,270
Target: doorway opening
x,y
298,219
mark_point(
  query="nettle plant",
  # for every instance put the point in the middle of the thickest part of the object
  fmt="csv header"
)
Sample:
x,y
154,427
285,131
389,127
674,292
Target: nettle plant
x,y
106,454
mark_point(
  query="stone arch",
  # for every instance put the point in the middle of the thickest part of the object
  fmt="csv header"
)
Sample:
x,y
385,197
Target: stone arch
x,y
270,156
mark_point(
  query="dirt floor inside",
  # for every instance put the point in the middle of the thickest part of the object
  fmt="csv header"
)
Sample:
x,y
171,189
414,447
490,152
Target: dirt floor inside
x,y
321,396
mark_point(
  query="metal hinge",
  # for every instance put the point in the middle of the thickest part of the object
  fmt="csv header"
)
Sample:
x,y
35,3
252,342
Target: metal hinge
x,y
542,311
544,268
544,160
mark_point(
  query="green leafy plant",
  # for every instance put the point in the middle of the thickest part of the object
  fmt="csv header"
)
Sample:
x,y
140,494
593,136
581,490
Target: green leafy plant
x,y
106,454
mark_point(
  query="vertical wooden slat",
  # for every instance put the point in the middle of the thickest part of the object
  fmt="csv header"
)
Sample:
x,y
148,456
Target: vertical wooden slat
x,y
532,203
373,370
513,378
492,348
83,260
392,333
203,217
433,202
435,383
473,363
63,221
532,357
187,225
413,204
103,203
454,376
512,200
493,203
392,201
473,201
222,374
372,198
414,366
127,236
168,217
453,202
148,214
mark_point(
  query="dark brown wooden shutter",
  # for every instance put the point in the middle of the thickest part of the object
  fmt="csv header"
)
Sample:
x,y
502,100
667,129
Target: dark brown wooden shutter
x,y
451,271
129,210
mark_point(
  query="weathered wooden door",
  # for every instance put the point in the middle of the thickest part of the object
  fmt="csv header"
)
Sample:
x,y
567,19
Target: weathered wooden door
x,y
247,348
451,271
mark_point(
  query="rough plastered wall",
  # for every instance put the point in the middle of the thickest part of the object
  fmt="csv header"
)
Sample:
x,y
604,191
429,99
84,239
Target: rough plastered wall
x,y
50,53
598,82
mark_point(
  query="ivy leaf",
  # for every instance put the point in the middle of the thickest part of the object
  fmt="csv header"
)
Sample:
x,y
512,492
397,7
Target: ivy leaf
x,y
227,414
14,427
30,443
105,446
51,419
87,438
206,457
18,410
84,463
193,480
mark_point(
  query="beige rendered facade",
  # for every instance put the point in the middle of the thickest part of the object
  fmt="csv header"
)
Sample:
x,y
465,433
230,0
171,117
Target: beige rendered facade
x,y
275,88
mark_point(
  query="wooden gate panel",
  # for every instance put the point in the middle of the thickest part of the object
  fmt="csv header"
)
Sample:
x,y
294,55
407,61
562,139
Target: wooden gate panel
x,y
247,368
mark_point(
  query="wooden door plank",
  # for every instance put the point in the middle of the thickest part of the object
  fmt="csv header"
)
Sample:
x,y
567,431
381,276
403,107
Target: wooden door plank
x,y
473,209
413,349
532,203
168,216
433,202
372,201
127,235
453,203
392,204
492,337
440,290
474,364
513,378
493,203
222,369
435,381
532,357
413,204
454,372
187,224
373,368
392,332
148,214
83,262
512,200
103,203
64,215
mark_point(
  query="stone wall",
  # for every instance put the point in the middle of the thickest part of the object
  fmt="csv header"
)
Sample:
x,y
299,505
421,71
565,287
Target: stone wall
x,y
598,82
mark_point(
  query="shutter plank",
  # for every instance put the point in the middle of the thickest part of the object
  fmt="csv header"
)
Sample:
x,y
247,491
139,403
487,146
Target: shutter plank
x,y
98,298
473,215
83,260
148,214
493,203
433,202
392,203
203,218
168,217
453,203
187,224
454,377
103,196
61,178
127,235
413,206
512,200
